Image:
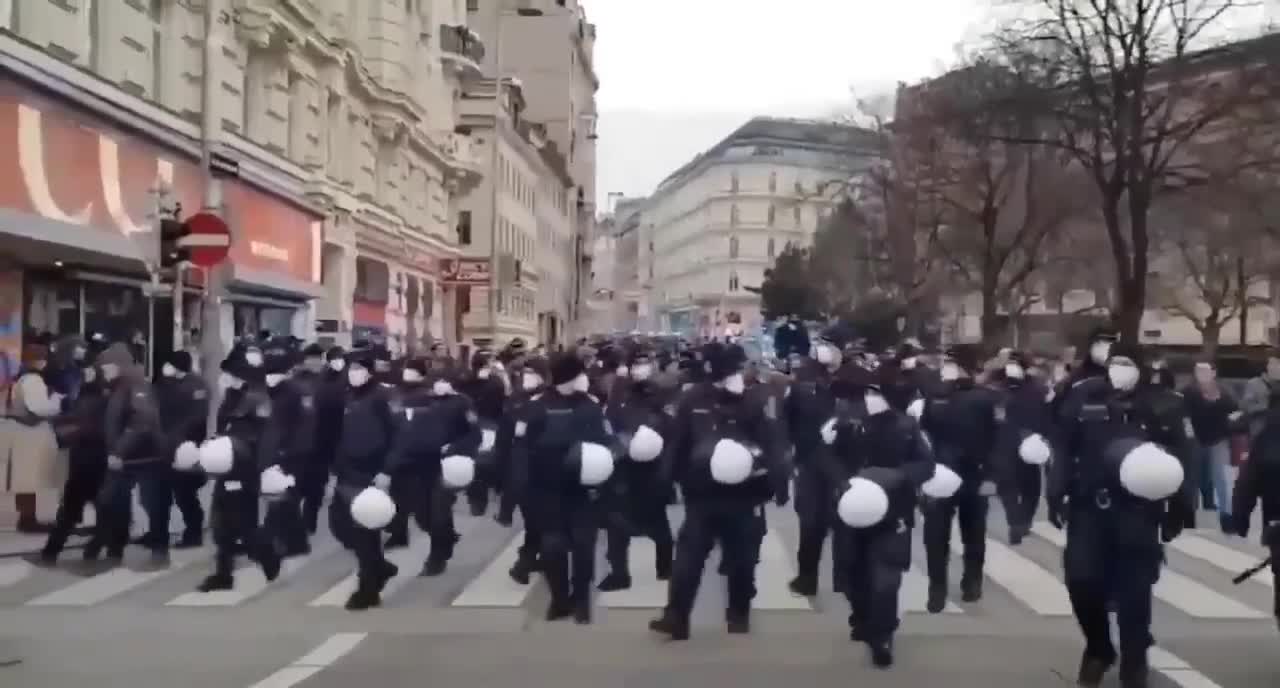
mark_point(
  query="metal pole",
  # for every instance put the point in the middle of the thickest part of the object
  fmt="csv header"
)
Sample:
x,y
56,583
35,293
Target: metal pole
x,y
210,331
179,327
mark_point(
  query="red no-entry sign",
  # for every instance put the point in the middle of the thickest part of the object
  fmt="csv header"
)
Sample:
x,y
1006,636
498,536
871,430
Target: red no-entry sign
x,y
208,239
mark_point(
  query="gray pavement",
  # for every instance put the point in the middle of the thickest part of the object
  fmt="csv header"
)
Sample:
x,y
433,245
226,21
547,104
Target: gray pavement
x,y
473,627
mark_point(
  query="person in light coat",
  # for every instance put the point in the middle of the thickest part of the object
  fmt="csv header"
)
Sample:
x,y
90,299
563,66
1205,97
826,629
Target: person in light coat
x,y
29,459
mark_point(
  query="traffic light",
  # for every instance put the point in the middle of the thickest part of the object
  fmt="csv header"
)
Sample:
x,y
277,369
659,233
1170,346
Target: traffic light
x,y
171,254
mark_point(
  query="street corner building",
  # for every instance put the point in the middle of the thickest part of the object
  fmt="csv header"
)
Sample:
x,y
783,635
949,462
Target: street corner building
x,y
332,125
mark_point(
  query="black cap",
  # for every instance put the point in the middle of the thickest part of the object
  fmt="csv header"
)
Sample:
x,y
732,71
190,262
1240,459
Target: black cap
x,y
565,367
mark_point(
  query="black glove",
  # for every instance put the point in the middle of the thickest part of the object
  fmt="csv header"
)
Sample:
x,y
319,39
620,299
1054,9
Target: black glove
x,y
1057,511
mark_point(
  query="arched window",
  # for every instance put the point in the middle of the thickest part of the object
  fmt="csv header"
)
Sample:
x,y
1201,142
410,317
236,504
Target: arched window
x,y
733,247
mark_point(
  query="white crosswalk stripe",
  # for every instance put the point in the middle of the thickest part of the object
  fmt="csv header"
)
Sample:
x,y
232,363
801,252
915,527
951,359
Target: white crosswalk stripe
x,y
1026,579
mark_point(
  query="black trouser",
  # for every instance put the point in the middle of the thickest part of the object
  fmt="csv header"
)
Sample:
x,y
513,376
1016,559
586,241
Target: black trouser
x,y
570,528
81,488
1111,562
478,491
816,511
364,543
311,488
531,546
647,513
186,487
970,509
877,558
282,524
430,505
733,527
235,525
114,506
1021,497
406,492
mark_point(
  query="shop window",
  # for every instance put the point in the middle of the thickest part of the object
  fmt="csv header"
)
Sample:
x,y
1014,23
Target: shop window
x,y
250,319
52,306
119,312
464,228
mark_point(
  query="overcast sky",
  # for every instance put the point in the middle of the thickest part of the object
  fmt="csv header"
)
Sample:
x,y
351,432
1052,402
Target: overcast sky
x,y
678,75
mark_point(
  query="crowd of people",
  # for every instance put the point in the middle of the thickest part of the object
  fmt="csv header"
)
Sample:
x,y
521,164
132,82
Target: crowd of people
x,y
607,436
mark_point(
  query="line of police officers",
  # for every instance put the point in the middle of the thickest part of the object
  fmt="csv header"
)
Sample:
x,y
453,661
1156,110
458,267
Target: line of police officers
x,y
599,438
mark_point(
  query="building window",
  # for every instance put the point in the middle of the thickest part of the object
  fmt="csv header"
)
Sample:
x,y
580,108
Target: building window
x,y
773,182
733,181
795,213
473,5
733,247
771,248
733,281
773,214
799,188
733,216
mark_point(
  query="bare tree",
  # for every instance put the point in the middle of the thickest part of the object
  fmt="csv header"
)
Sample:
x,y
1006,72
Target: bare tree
x,y
1127,88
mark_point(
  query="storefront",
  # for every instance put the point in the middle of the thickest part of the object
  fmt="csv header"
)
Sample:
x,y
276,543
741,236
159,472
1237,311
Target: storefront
x,y
80,192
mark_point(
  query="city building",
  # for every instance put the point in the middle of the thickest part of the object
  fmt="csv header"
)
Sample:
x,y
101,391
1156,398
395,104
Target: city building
x,y
520,218
547,48
330,126
710,230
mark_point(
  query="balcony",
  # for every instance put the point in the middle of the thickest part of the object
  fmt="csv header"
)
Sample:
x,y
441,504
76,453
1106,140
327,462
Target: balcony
x,y
462,50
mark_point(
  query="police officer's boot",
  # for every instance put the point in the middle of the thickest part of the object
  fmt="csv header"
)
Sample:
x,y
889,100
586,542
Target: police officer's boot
x,y
881,653
582,607
671,624
738,621
662,560
522,569
1093,670
616,580
804,585
937,597
1135,675
971,587
222,577
555,568
441,553
192,538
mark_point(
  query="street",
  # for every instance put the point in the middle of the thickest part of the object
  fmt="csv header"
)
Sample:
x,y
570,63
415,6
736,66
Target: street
x,y
472,626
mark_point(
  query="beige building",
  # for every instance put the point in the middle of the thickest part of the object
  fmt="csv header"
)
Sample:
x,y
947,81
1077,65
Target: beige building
x,y
710,230
332,123
519,218
547,48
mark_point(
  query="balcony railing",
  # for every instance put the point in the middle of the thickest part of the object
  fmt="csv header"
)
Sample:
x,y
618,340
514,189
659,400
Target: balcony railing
x,y
462,47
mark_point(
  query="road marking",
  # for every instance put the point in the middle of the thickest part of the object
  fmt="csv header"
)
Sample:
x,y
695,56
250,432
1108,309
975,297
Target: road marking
x,y
1176,590
1025,580
773,578
109,584
13,572
646,591
913,596
493,587
1228,559
336,647
1177,670
250,582
409,560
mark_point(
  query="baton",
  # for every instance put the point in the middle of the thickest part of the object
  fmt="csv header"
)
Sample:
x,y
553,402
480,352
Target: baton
x,y
1251,571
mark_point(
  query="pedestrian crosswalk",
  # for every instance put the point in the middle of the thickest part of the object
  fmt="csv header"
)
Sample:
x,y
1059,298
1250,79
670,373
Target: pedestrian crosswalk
x,y
1195,584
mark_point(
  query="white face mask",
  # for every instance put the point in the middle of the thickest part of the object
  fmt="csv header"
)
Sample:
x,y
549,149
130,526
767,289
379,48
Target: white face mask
x,y
275,379
411,375
441,388
909,363
110,371
229,381
1123,376
90,374
642,371
876,404
735,384
168,370
623,371
484,373
337,364
1099,352
530,381
949,372
826,355
1014,371
358,377
1204,374
581,383
253,357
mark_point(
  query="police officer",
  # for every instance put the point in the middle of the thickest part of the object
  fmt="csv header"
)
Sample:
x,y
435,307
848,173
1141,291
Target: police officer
x,y
184,412
233,458
1020,467
641,413
288,444
569,444
487,391
961,419
131,426
368,432
808,406
513,463
871,447
727,460
1259,480
412,397
1118,493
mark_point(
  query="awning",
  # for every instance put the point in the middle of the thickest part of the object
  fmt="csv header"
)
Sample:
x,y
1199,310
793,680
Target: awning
x,y
272,283
40,240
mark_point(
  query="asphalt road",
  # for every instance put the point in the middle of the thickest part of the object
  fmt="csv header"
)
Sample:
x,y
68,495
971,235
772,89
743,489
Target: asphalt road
x,y
473,627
